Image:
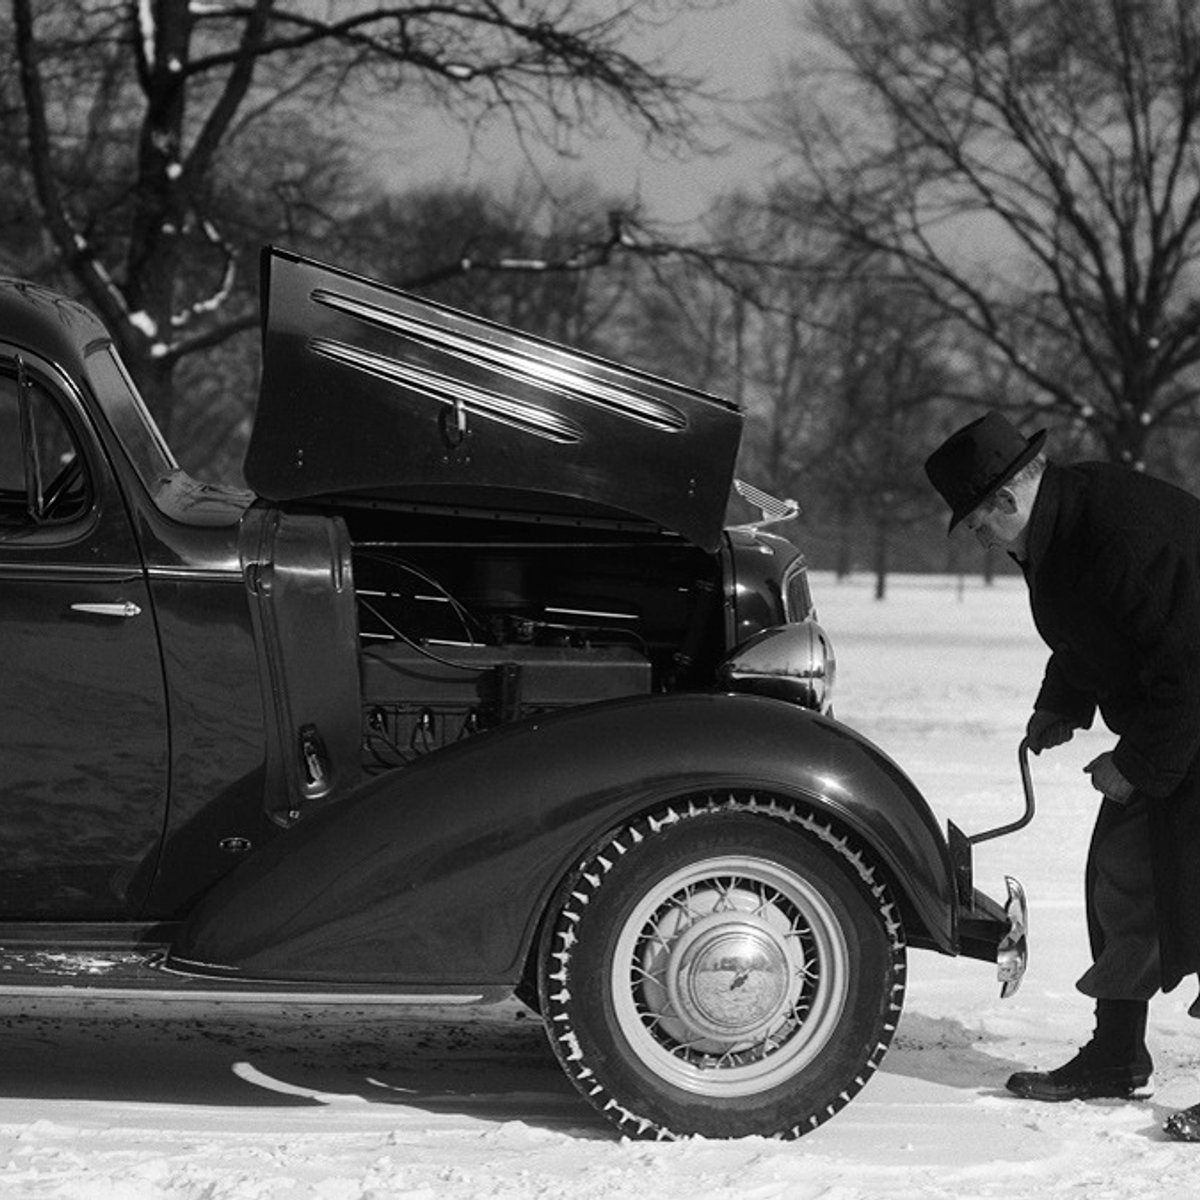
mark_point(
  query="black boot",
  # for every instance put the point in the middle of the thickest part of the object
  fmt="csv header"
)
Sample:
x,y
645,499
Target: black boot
x,y
1184,1126
1115,1063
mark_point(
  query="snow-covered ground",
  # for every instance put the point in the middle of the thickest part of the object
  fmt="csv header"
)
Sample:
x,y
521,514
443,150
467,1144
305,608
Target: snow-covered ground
x,y
154,1100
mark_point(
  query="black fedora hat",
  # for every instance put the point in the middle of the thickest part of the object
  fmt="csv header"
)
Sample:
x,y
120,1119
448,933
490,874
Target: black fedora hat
x,y
978,460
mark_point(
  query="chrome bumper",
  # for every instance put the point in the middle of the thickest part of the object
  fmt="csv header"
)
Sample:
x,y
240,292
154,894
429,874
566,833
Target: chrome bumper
x,y
1012,954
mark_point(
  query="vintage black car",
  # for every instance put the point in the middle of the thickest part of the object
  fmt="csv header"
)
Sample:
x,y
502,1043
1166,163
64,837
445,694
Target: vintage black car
x,y
472,696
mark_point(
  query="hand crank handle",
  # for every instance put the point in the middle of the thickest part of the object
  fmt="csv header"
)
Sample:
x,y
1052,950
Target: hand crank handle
x,y
1027,816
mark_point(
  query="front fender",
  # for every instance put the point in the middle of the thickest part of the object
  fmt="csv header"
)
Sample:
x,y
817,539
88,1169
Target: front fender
x,y
438,874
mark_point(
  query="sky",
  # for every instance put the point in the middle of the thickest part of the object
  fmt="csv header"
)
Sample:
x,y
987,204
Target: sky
x,y
735,50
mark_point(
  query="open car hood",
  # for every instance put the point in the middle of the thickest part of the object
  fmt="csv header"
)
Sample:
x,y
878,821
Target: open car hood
x,y
368,392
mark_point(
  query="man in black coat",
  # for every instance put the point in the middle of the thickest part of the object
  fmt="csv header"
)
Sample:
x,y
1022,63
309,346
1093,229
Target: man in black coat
x,y
1112,560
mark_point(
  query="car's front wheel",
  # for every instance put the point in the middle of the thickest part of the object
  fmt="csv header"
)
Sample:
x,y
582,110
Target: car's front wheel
x,y
724,968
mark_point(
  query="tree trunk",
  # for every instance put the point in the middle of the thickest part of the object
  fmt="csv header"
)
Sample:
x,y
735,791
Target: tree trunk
x,y
882,529
1127,442
845,545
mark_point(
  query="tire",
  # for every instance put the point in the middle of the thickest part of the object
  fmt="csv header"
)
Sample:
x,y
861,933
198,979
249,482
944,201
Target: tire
x,y
722,968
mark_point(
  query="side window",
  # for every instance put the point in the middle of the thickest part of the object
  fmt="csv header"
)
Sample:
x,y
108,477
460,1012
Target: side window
x,y
12,466
43,479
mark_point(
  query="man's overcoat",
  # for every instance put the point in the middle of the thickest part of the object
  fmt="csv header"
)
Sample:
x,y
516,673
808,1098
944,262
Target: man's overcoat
x,y
1113,565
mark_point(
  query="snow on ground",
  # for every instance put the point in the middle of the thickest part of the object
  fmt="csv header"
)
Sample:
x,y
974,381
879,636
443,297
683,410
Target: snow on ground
x,y
151,1100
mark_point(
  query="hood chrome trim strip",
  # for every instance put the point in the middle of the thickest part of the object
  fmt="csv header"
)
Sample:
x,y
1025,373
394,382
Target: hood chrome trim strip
x,y
633,406
527,418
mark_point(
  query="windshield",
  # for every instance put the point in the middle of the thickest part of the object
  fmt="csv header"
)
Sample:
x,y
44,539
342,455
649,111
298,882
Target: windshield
x,y
129,418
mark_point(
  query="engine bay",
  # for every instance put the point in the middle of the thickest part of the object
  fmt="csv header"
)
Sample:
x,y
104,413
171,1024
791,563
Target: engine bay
x,y
458,635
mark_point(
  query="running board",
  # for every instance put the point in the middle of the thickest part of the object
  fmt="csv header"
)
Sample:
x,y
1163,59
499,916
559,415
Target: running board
x,y
125,973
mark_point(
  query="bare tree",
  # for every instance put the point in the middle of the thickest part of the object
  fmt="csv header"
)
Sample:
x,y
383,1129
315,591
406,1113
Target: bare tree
x,y
1033,167
772,341
525,256
163,140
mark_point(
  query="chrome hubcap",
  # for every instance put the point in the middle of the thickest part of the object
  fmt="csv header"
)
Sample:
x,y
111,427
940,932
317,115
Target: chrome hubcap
x,y
729,978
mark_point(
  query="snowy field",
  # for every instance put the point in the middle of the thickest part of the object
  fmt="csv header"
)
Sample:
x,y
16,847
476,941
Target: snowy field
x,y
148,1101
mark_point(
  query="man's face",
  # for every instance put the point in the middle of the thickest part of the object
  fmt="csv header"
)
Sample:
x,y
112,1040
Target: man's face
x,y
998,523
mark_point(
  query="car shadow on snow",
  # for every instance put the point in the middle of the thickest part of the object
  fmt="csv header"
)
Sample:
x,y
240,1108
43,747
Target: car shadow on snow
x,y
492,1064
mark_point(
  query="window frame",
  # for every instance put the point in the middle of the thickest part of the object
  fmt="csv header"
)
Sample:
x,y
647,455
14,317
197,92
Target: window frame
x,y
33,378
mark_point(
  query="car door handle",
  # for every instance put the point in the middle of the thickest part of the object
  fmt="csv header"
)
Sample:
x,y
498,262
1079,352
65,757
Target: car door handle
x,y
123,608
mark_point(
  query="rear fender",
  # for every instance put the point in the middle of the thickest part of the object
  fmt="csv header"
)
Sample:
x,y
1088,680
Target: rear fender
x,y
441,872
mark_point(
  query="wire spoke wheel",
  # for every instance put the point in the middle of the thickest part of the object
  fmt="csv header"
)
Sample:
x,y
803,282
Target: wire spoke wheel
x,y
715,970
737,973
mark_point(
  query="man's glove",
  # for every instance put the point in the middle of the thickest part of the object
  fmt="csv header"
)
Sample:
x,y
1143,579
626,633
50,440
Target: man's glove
x,y
1108,780
1047,729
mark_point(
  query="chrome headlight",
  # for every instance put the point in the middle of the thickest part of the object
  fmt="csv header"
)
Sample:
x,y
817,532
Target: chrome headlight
x,y
790,662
